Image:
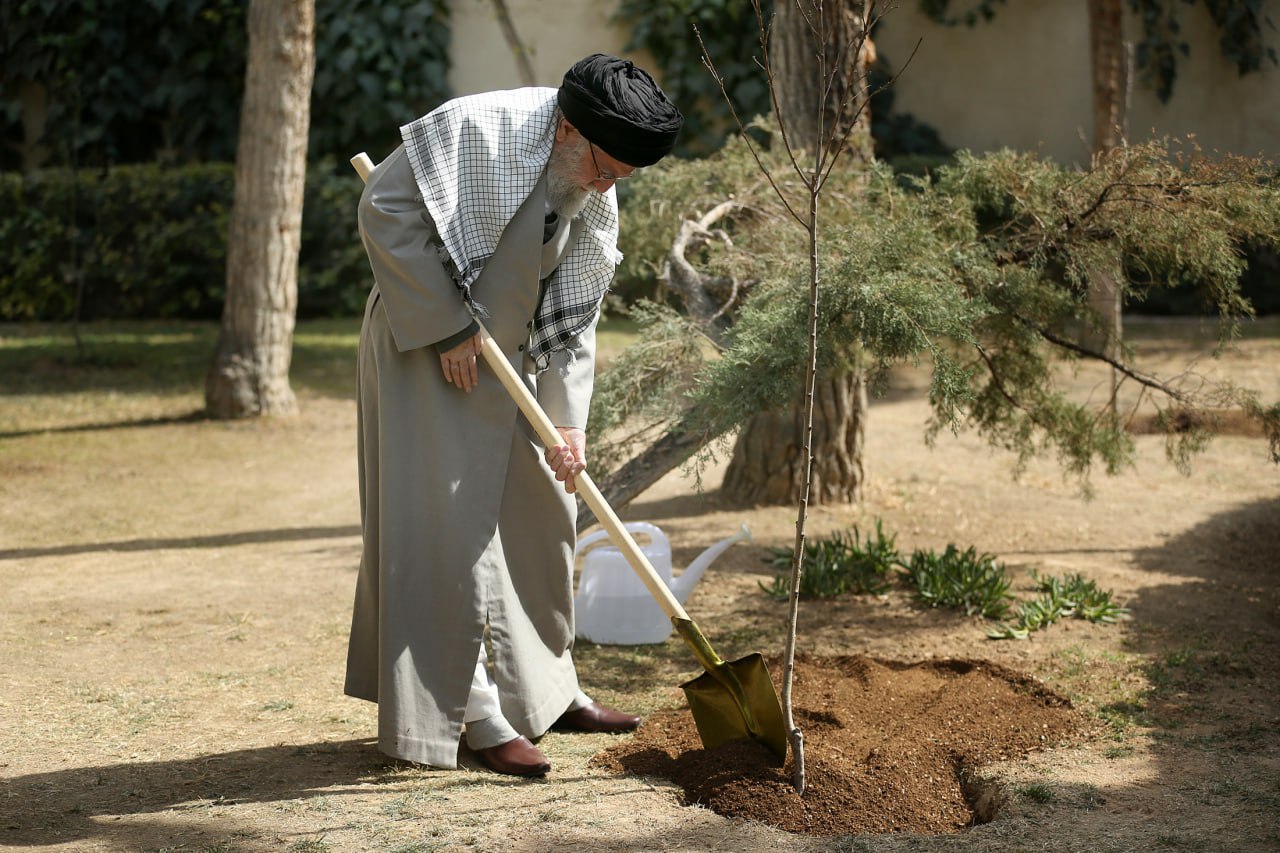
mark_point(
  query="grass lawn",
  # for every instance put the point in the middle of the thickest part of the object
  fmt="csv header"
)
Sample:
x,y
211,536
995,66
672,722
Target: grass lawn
x,y
140,370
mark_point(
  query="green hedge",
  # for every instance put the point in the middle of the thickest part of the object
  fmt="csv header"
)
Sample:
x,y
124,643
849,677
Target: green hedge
x,y
111,82
146,241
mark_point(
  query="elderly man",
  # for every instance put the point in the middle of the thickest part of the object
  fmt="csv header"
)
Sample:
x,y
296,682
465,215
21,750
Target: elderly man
x,y
499,206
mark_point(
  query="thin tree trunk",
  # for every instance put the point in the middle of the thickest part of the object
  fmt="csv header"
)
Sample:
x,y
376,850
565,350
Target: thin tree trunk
x,y
821,63
519,52
250,371
1106,49
1109,73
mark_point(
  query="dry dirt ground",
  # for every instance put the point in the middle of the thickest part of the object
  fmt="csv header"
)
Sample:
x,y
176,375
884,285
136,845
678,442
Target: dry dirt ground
x,y
176,598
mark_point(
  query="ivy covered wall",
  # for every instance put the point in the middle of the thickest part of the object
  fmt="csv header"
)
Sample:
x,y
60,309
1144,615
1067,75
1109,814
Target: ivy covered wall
x,y
94,83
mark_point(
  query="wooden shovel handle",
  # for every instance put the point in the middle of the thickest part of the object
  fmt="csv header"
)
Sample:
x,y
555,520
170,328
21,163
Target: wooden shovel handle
x,y
363,165
550,436
529,406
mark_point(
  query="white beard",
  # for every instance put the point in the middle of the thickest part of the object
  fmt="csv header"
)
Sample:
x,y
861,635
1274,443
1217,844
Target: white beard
x,y
563,195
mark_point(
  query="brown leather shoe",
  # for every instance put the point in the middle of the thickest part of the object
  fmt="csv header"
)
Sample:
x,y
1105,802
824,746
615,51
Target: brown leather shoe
x,y
516,757
597,718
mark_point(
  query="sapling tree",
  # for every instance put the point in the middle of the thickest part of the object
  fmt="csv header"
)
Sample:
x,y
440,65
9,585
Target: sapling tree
x,y
819,95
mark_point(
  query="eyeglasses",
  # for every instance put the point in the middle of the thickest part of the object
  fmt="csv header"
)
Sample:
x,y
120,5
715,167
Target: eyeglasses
x,y
605,176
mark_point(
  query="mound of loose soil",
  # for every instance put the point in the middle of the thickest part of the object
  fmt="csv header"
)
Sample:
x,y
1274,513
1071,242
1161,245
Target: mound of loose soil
x,y
889,747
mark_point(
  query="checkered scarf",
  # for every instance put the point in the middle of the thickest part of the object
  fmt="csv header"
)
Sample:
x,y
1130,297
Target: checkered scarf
x,y
476,159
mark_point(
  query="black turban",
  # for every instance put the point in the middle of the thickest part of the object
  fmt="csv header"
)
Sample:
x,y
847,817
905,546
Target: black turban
x,y
620,109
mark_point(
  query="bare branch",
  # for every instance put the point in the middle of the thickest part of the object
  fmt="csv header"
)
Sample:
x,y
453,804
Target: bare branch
x,y
1136,375
766,65
824,74
856,44
870,94
706,60
813,28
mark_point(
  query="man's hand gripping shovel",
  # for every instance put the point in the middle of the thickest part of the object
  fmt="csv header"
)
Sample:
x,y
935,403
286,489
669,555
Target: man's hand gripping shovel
x,y
732,700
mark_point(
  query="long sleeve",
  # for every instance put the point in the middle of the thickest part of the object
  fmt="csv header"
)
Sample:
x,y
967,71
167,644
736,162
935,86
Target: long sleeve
x,y
423,303
564,388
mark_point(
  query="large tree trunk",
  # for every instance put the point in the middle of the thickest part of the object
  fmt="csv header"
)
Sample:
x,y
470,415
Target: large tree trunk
x,y
768,464
250,371
808,108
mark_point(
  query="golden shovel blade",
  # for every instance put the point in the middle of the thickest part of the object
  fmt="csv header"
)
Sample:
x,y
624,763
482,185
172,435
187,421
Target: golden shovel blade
x,y
736,701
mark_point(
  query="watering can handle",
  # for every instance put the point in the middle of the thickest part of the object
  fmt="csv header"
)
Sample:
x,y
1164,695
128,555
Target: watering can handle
x,y
652,531
363,165
587,541
550,436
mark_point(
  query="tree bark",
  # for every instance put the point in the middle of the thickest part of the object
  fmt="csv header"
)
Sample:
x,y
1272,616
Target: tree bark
x,y
621,486
250,371
1106,50
808,108
767,464
1109,73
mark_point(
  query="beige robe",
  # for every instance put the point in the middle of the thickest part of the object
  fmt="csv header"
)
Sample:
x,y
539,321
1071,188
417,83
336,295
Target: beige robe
x,y
464,524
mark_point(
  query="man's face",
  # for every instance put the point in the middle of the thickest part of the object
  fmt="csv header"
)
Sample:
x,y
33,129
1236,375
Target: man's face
x,y
577,167
605,170
565,191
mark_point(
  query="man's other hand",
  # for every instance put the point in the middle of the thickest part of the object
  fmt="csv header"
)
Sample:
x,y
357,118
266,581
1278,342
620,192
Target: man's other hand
x,y
569,459
459,363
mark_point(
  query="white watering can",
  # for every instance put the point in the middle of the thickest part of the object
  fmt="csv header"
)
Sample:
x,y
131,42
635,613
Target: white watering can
x,y
613,605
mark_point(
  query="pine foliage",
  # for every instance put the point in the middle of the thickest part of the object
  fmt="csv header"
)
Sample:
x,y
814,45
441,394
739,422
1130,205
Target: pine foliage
x,y
982,274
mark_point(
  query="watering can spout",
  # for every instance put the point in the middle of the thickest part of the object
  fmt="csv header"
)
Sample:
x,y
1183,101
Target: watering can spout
x,y
684,584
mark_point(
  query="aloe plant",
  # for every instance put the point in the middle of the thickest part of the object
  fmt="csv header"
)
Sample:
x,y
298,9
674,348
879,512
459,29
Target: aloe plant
x,y
964,579
845,563
1061,598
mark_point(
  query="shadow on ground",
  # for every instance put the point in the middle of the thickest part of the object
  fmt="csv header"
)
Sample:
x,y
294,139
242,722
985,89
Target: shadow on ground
x,y
81,803
171,420
250,537
133,806
1210,637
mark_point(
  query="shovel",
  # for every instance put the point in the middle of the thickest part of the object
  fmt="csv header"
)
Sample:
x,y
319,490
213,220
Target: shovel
x,y
730,701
